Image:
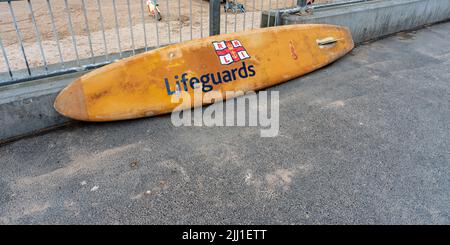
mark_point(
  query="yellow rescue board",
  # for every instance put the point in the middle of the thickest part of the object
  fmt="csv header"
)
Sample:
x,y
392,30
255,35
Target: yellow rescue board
x,y
143,85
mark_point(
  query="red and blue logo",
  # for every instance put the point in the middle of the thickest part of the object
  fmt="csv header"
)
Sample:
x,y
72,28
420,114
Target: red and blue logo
x,y
230,51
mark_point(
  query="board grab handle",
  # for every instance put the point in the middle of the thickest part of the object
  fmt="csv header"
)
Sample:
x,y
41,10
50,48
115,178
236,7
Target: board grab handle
x,y
328,41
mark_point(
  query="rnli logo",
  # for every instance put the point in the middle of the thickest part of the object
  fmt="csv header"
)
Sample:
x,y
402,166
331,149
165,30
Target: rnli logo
x,y
230,51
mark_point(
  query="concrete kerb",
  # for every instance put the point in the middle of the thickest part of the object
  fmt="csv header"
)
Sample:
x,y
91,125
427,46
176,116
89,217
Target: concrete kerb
x,y
27,108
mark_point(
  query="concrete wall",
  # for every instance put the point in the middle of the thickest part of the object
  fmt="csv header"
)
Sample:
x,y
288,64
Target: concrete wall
x,y
375,19
28,107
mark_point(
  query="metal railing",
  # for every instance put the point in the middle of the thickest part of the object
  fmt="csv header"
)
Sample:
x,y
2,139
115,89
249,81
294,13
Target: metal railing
x,y
41,38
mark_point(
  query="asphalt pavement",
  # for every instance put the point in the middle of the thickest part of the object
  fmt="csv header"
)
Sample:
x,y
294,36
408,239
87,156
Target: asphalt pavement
x,y
365,140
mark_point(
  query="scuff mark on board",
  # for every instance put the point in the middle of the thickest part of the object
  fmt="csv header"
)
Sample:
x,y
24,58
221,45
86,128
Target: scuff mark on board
x,y
293,51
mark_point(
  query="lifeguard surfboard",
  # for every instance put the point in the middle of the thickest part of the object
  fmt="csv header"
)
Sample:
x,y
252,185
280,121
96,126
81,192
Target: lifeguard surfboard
x,y
143,85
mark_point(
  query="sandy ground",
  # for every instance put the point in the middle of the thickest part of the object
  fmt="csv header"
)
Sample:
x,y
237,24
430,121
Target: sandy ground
x,y
175,27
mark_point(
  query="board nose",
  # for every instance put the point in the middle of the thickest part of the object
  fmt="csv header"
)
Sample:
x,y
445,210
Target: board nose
x,y
70,102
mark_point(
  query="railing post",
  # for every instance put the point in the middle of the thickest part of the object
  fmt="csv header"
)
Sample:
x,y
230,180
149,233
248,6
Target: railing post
x,y
301,3
214,17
